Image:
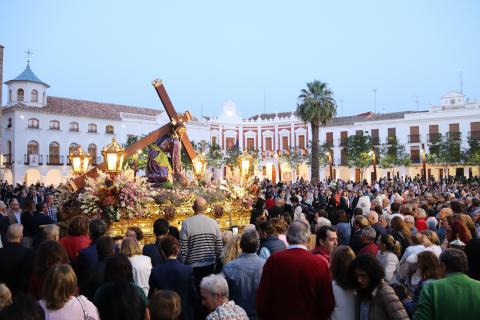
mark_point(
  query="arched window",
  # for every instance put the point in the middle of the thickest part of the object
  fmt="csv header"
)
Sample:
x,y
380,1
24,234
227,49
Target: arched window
x,y
54,153
92,128
10,124
34,95
33,123
109,129
54,125
20,95
32,147
72,147
92,151
74,126
10,95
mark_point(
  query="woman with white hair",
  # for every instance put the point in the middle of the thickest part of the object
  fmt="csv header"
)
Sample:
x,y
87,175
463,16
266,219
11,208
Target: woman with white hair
x,y
214,292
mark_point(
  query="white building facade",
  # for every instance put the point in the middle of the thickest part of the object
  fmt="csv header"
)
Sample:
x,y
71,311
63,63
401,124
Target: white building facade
x,y
38,132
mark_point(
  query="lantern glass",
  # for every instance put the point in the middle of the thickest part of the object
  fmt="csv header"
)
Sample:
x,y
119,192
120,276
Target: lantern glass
x,y
85,163
199,165
79,160
245,166
113,156
111,161
76,164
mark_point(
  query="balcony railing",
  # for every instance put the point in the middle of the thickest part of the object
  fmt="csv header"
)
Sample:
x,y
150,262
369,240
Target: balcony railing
x,y
329,143
433,137
343,162
391,139
413,138
475,135
455,136
33,159
375,141
343,142
55,160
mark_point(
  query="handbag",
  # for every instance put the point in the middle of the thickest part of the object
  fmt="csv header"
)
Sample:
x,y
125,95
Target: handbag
x,y
86,316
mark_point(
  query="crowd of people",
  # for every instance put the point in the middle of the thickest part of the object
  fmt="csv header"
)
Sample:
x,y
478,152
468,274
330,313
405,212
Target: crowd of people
x,y
395,249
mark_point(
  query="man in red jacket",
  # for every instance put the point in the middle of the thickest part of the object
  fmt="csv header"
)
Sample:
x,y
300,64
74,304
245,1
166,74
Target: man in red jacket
x,y
295,283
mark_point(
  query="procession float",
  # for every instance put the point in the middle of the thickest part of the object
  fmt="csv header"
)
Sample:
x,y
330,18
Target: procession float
x,y
114,192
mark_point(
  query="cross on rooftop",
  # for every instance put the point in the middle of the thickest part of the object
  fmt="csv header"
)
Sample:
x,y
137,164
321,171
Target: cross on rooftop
x,y
28,52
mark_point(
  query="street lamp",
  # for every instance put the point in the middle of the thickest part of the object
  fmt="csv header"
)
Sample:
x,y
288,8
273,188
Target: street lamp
x,y
113,156
244,162
199,165
424,164
374,161
330,163
79,160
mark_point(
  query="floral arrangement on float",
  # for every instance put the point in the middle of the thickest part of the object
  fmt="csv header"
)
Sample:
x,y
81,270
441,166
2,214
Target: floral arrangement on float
x,y
118,197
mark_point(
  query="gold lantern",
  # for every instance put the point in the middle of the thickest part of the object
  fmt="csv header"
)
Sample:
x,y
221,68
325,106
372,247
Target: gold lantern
x,y
199,165
79,160
113,156
244,162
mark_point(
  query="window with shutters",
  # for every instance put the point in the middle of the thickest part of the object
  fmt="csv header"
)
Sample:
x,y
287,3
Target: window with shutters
x,y
268,144
375,136
301,142
414,136
284,143
250,143
329,139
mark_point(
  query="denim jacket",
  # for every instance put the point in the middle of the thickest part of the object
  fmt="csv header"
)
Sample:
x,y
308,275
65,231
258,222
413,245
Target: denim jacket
x,y
243,276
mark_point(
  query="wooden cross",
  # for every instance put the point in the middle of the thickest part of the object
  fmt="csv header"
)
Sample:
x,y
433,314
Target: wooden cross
x,y
177,124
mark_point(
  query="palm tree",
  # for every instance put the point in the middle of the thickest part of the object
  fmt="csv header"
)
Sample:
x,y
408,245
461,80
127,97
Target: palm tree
x,y
317,107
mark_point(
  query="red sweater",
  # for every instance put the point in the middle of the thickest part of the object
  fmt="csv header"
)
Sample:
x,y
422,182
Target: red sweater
x,y
295,284
73,245
370,248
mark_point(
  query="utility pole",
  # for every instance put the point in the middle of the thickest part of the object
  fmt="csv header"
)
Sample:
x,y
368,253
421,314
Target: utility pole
x,y
461,82
264,100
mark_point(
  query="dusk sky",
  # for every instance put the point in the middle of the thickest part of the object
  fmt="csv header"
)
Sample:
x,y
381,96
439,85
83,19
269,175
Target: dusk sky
x,y
259,54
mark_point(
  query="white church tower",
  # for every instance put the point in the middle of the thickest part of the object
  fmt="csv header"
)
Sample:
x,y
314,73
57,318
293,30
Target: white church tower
x,y
27,89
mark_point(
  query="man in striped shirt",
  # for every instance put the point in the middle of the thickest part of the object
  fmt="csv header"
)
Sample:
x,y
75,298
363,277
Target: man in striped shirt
x,y
200,241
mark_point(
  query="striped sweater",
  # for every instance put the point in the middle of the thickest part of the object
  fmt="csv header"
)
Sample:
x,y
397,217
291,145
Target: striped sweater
x,y
200,241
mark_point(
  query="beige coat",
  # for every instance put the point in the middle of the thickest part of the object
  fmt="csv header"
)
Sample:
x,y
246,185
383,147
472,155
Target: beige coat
x,y
384,305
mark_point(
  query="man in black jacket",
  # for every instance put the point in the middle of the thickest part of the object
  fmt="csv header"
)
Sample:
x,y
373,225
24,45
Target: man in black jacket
x,y
39,219
153,250
15,261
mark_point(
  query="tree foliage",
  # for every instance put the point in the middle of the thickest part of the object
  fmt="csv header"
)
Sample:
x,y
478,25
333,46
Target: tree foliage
x,y
316,106
393,155
471,155
232,156
142,157
295,158
214,156
444,151
358,148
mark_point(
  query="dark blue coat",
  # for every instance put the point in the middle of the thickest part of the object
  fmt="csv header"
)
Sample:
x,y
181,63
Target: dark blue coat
x,y
176,276
153,251
36,221
87,259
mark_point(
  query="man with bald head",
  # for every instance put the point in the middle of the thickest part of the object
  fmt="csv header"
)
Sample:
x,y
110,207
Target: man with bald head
x,y
200,241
